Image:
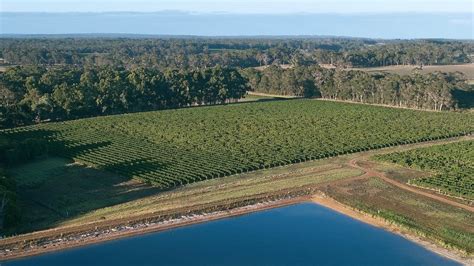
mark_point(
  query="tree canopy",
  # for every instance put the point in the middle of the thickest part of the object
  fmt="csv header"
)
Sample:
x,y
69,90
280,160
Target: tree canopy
x,y
231,52
436,91
35,94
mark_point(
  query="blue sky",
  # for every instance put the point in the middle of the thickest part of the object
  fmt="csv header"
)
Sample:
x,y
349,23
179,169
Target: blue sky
x,y
240,6
358,18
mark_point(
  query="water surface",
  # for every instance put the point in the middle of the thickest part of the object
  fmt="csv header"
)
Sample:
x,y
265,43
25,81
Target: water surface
x,y
302,234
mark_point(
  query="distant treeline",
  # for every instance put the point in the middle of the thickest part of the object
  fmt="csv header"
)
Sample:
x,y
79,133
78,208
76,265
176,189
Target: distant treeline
x,y
434,91
191,53
35,94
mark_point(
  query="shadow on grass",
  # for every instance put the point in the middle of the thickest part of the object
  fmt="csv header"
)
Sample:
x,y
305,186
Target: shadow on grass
x,y
62,191
52,190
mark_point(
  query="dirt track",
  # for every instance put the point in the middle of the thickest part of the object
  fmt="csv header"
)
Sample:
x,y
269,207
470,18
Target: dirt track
x,y
373,173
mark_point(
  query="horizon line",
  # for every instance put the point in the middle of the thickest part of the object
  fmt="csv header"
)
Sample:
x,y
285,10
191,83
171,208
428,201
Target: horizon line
x,y
289,36
190,12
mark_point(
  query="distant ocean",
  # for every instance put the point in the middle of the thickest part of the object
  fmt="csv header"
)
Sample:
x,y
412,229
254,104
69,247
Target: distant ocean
x,y
396,25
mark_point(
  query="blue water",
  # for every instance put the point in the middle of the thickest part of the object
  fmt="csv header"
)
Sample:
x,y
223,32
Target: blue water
x,y
302,234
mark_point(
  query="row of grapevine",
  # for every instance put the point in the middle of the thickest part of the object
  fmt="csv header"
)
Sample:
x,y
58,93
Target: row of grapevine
x,y
175,147
452,164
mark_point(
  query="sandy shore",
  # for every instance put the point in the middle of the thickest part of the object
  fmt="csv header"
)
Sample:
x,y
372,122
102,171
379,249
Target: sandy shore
x,y
382,223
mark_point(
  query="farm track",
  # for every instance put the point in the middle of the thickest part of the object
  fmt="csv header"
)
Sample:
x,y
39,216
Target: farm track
x,y
354,163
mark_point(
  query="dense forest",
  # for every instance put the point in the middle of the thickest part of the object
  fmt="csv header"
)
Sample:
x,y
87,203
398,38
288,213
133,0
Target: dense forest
x,y
35,94
60,78
197,52
434,91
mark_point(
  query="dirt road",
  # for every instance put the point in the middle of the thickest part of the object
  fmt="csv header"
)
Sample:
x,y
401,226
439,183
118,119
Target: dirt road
x,y
374,173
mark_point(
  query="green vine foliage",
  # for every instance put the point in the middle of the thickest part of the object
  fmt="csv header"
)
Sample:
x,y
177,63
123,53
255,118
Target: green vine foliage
x,y
453,165
175,147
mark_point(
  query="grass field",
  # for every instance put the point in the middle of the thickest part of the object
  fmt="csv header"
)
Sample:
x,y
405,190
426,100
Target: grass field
x,y
51,190
452,166
175,147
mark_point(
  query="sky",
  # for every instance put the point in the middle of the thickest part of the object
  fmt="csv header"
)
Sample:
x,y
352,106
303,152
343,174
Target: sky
x,y
405,19
240,6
